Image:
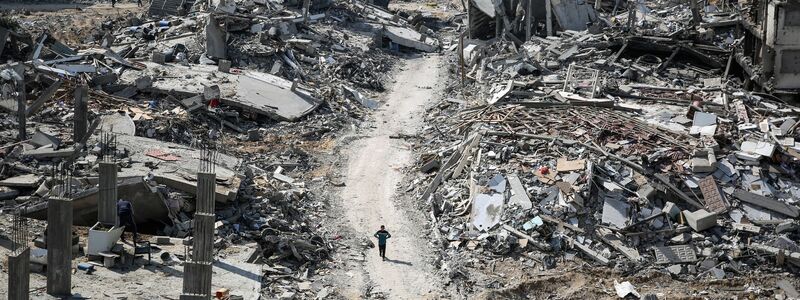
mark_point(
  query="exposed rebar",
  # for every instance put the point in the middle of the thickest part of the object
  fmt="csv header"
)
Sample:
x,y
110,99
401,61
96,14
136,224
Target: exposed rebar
x,y
62,177
208,159
19,231
108,152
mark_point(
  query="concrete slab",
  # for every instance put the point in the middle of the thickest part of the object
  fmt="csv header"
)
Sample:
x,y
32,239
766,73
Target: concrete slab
x,y
573,16
147,203
253,91
615,212
366,102
519,195
410,38
768,203
498,183
27,180
270,95
487,210
40,139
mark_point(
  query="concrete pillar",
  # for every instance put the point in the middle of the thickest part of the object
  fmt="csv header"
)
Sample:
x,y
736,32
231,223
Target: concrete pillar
x,y
81,117
203,249
196,280
21,110
197,273
59,246
107,201
19,270
206,187
204,217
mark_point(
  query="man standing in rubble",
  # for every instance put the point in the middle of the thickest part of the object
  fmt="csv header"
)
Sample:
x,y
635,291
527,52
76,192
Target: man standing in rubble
x,y
125,214
382,235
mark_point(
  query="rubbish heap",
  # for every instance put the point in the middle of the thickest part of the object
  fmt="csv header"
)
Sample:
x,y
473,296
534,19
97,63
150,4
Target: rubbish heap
x,y
263,82
628,142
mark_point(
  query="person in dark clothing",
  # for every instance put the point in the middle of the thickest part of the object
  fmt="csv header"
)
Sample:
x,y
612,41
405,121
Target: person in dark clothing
x,y
113,3
139,3
125,214
382,235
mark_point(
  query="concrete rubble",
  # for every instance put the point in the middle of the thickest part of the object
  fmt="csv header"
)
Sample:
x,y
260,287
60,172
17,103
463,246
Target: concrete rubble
x,y
627,140
633,136
178,77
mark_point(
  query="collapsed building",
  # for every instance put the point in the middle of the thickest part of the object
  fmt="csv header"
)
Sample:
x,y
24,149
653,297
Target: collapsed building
x,y
651,138
646,140
769,52
172,110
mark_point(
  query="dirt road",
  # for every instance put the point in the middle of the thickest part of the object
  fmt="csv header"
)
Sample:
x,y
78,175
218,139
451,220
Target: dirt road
x,y
373,173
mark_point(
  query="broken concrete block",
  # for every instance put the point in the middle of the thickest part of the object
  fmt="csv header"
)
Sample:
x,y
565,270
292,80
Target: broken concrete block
x,y
760,148
675,269
700,220
144,82
224,66
162,240
787,226
104,79
671,209
646,191
704,161
681,238
40,139
159,58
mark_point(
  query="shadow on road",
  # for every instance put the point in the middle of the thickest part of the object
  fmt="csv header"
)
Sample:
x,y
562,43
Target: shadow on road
x,y
394,261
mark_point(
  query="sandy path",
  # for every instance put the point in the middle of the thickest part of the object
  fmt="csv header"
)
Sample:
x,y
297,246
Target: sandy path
x,y
371,182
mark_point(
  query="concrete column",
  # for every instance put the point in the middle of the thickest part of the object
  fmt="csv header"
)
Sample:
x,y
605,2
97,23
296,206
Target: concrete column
x,y
203,237
21,110
19,270
206,188
107,201
81,117
204,217
59,246
197,273
196,280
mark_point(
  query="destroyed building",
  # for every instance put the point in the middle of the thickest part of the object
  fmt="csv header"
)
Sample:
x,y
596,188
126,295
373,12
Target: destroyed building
x,y
769,52
566,149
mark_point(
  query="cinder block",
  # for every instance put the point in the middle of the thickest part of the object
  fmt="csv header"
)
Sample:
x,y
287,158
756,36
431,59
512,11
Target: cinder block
x,y
700,220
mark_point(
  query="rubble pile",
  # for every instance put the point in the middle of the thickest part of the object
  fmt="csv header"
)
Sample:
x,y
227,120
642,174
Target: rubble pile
x,y
263,83
628,142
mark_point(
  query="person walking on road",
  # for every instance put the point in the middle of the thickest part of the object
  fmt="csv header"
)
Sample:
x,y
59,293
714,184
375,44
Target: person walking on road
x,y
382,235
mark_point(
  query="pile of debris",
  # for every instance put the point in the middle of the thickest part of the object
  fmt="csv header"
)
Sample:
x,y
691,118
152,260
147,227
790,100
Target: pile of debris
x,y
633,146
260,81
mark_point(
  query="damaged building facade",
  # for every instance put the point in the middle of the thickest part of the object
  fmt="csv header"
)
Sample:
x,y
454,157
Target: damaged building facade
x,y
770,51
